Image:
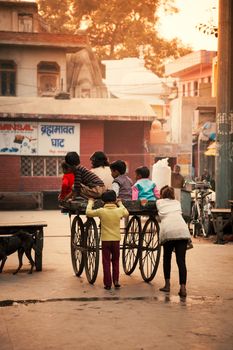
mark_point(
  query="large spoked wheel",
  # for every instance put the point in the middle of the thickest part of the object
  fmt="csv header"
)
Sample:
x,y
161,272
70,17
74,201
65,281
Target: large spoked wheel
x,y
150,250
76,244
91,256
131,245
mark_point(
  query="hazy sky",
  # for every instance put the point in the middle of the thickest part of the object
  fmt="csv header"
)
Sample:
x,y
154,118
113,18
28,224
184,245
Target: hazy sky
x,y
182,25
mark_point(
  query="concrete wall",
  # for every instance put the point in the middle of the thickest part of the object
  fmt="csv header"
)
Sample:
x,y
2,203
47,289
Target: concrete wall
x,y
6,19
27,59
9,15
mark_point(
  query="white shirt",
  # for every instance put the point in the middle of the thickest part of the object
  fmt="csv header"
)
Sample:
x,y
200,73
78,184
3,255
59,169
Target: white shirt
x,y
172,226
104,173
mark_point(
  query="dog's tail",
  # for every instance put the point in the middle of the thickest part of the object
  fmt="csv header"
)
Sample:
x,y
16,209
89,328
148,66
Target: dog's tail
x,y
34,246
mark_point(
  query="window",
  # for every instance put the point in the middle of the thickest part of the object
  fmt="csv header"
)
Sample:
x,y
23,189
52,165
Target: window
x,y
183,90
41,166
189,89
25,22
48,78
7,78
195,88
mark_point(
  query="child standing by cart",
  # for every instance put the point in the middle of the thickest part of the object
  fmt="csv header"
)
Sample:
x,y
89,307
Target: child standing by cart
x,y
174,234
110,216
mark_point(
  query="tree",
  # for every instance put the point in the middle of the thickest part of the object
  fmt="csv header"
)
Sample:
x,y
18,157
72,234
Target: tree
x,y
118,28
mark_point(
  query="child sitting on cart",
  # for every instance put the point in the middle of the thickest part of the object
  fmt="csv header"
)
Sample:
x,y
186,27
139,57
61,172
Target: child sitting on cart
x,y
122,184
67,182
110,216
144,188
86,183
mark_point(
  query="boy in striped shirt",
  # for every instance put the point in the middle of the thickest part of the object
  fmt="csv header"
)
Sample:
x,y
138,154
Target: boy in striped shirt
x,y
86,183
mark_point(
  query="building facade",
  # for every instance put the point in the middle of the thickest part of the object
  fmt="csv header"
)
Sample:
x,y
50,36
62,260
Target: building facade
x,y
193,111
53,100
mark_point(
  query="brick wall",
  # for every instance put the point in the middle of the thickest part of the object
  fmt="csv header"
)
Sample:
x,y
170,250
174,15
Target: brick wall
x,y
91,140
9,173
125,140
120,140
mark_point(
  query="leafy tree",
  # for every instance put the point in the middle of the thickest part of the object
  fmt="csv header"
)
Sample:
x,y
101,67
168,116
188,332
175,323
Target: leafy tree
x,y
56,14
117,28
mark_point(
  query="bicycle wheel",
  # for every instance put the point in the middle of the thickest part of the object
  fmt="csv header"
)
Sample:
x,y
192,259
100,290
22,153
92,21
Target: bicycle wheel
x,y
195,220
91,255
76,245
205,226
150,250
131,245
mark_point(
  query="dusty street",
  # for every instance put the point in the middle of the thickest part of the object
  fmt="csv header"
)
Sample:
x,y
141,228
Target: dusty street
x,y
53,309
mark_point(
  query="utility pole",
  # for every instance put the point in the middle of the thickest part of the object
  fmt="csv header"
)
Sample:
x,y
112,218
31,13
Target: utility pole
x,y
224,118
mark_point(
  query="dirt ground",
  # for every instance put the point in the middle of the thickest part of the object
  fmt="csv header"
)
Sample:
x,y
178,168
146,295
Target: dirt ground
x,y
54,309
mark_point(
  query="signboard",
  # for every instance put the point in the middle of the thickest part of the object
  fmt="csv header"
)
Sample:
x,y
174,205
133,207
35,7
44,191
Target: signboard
x,y
43,139
56,139
18,138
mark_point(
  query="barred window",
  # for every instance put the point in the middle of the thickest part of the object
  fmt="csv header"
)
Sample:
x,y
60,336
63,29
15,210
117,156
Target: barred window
x,y
26,169
41,166
51,167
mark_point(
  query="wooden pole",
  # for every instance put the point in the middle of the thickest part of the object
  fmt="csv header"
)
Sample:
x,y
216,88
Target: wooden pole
x,y
224,118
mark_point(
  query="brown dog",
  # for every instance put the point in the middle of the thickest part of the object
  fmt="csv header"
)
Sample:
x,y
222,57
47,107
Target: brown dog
x,y
22,242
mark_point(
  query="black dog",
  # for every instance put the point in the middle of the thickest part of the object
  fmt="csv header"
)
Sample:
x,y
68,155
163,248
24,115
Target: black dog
x,y
22,242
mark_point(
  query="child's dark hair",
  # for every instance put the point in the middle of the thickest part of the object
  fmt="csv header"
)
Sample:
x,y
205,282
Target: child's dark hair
x,y
99,158
143,171
72,158
109,196
118,165
65,166
167,192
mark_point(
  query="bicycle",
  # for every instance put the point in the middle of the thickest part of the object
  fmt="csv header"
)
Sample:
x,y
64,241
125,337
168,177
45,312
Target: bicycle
x,y
201,210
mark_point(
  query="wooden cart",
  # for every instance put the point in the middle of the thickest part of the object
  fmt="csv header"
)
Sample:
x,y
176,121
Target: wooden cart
x,y
140,240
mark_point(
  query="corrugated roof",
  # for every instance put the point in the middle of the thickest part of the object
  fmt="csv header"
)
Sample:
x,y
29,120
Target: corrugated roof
x,y
76,108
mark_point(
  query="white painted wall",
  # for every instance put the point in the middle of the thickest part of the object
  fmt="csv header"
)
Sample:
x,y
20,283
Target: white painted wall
x,y
175,120
27,59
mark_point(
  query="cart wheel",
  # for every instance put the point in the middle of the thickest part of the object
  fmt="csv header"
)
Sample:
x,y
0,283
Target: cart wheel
x,y
150,250
91,256
131,244
77,234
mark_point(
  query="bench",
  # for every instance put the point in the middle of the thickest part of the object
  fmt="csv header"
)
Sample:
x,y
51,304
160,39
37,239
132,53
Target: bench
x,y
36,228
221,218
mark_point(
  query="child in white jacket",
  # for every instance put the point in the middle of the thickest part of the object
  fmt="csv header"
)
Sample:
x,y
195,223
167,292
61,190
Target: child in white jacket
x,y
174,235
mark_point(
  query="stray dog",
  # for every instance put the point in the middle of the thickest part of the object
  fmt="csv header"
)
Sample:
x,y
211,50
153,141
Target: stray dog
x,y
22,242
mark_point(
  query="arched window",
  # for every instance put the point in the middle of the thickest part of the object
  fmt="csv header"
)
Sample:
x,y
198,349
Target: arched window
x,y
48,78
7,78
